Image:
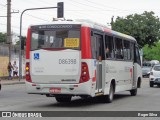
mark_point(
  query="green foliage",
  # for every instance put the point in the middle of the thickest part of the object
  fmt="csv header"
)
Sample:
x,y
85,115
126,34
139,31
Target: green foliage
x,y
3,37
144,28
152,53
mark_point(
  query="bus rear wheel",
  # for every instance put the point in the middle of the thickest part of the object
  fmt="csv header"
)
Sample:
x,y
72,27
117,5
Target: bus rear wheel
x,y
133,92
109,98
63,99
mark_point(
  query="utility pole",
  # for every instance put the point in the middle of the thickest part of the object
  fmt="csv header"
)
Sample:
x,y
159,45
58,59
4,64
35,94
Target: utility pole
x,y
9,38
112,21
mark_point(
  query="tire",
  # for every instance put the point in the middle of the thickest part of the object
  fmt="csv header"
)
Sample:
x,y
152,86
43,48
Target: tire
x,y
151,84
63,99
109,98
0,86
139,83
133,92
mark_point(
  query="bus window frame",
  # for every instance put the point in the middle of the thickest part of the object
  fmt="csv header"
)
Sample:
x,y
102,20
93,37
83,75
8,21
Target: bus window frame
x,y
131,49
95,31
101,33
117,37
113,46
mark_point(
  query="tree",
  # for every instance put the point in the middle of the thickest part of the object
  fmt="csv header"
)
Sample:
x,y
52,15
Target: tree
x,y
144,28
152,53
3,37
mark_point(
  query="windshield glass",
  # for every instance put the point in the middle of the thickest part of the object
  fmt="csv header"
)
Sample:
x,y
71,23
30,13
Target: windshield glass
x,y
55,38
145,64
157,68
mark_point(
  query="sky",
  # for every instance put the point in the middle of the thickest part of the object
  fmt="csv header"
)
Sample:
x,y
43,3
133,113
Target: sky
x,y
100,11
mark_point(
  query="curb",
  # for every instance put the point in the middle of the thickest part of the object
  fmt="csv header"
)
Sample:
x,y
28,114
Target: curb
x,y
13,83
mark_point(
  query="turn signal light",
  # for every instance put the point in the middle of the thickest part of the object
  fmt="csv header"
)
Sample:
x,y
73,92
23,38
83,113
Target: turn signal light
x,y
28,77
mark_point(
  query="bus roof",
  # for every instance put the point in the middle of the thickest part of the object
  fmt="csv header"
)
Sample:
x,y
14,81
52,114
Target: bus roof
x,y
93,25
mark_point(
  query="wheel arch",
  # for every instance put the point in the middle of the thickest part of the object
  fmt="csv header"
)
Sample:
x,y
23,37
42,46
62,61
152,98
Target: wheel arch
x,y
113,82
139,81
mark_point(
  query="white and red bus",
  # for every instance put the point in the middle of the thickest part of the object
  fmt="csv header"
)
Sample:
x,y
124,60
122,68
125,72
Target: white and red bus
x,y
80,58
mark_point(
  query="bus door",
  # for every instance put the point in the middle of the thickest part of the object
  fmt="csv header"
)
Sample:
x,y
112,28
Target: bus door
x,y
99,57
137,65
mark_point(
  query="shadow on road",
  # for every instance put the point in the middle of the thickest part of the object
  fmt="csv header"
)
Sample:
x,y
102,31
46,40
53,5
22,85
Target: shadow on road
x,y
79,102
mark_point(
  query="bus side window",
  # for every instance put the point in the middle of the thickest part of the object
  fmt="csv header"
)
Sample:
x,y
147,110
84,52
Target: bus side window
x,y
127,50
119,48
93,47
109,51
99,46
132,50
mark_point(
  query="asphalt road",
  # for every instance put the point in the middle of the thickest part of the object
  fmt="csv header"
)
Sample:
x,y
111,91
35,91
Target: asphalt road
x,y
15,98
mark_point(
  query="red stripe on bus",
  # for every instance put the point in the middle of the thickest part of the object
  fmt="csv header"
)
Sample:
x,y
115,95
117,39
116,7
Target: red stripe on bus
x,y
108,30
28,44
86,43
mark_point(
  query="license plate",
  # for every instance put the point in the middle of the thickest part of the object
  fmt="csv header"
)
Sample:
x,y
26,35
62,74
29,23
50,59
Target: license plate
x,y
55,90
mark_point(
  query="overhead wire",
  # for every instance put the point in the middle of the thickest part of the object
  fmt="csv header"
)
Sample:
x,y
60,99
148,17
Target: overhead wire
x,y
27,14
41,5
117,10
17,27
2,5
99,8
102,5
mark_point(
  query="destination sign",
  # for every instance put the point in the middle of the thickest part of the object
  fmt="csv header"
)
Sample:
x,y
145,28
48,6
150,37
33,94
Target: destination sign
x,y
54,26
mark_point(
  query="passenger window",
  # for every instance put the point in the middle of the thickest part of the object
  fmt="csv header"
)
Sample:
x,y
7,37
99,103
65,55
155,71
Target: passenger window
x,y
119,48
97,47
93,47
109,47
132,50
126,49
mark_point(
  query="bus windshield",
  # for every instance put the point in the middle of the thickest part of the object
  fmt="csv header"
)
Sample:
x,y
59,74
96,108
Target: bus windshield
x,y
60,38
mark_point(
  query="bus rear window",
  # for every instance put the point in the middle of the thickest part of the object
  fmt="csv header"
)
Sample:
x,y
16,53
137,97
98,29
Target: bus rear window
x,y
55,39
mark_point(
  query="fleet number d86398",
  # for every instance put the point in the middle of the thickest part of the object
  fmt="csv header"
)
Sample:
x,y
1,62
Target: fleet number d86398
x,y
67,61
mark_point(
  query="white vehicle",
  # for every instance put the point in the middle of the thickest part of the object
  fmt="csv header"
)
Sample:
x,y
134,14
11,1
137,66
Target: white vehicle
x,y
80,58
155,75
154,62
146,68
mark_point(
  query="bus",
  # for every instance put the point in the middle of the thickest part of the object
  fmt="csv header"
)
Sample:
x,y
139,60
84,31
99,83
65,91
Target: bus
x,y
80,58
